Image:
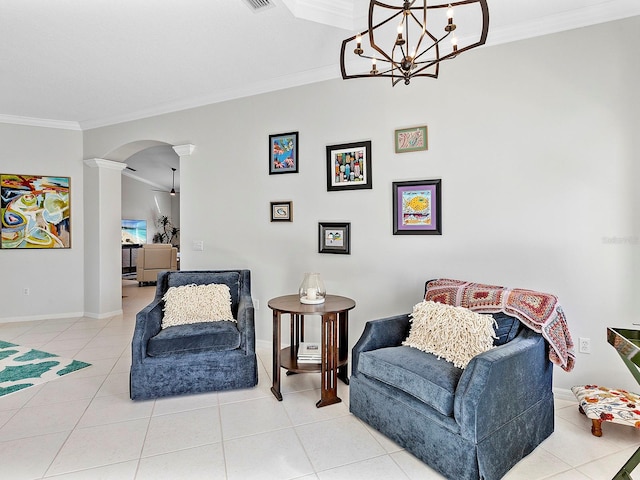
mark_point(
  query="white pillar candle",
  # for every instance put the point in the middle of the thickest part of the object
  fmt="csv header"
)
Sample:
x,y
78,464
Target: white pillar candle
x,y
311,293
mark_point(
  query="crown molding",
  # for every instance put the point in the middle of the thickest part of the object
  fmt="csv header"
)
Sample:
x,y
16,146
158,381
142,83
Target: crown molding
x,y
128,173
560,22
40,122
265,86
336,13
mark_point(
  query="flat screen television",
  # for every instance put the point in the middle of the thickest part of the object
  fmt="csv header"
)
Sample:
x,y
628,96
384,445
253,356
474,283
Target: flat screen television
x,y
134,232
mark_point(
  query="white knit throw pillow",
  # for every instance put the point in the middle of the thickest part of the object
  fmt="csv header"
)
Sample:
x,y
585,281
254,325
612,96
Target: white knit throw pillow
x,y
454,333
196,303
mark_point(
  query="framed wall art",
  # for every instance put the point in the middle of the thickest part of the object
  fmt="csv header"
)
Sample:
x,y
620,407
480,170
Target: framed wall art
x,y
349,166
334,238
283,153
417,207
282,211
35,211
412,139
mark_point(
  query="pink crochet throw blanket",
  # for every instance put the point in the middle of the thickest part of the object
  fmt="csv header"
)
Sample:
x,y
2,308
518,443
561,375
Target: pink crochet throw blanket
x,y
541,312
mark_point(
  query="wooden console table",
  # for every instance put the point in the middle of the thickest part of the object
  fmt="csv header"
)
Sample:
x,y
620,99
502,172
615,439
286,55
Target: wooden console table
x,y
334,363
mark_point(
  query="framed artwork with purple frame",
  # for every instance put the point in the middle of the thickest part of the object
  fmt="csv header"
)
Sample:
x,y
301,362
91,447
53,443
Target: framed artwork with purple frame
x,y
417,207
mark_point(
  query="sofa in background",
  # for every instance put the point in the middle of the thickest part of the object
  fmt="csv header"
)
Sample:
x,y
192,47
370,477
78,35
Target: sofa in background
x,y
468,424
154,258
199,357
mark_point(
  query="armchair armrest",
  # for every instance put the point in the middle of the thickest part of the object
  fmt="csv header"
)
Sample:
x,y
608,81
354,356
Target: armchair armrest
x,y
502,383
148,324
385,332
246,324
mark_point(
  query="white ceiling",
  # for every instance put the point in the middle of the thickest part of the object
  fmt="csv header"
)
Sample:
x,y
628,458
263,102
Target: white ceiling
x,y
81,64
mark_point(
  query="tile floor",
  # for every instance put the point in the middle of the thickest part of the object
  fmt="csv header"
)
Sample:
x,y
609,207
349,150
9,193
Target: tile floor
x,y
83,426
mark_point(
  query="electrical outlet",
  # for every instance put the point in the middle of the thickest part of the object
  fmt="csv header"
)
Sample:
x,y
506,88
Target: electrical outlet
x,y
26,291
584,345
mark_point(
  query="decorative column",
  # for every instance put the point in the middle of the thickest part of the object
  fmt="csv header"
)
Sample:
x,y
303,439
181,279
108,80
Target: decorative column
x,y
103,251
187,219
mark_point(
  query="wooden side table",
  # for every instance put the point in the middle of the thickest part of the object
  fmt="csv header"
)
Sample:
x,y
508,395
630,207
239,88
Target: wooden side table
x,y
334,363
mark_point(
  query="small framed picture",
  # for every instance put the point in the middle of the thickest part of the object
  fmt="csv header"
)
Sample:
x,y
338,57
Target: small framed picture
x,y
283,153
334,238
417,207
412,139
282,211
349,166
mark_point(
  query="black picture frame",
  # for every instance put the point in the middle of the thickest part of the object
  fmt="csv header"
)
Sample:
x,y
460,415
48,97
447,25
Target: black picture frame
x,y
283,153
417,207
349,166
334,237
282,211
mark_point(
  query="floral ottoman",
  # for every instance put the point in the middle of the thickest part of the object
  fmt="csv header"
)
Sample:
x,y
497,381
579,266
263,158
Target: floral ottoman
x,y
602,404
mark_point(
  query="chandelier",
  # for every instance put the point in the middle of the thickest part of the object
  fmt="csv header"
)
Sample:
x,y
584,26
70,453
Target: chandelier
x,y
401,45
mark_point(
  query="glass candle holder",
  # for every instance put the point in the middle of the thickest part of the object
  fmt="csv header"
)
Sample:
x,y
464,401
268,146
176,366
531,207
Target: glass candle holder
x,y
312,289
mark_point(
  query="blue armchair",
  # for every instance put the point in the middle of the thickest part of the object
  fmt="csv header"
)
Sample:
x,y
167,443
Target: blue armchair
x,y
467,424
199,357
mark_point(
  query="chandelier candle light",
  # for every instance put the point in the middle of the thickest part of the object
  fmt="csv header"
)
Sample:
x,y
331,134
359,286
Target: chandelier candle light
x,y
312,291
406,47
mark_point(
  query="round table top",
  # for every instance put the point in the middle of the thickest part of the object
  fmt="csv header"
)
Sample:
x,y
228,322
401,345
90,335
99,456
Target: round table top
x,y
291,304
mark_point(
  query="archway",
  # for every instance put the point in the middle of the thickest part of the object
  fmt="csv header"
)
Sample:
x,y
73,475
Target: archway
x,y
103,207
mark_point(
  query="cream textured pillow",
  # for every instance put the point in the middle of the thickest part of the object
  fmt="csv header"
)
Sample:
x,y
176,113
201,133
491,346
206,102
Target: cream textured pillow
x,y
454,333
196,303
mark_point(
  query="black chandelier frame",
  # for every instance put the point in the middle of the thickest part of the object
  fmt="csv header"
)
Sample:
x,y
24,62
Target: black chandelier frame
x,y
401,63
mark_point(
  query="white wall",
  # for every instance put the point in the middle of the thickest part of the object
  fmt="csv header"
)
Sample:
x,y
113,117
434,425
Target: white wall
x,y
535,143
55,278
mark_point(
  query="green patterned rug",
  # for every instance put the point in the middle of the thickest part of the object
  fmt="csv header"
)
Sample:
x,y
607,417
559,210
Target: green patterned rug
x,y
23,367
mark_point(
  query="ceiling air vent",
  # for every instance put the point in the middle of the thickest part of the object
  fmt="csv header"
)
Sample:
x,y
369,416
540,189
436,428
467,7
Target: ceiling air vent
x,y
259,5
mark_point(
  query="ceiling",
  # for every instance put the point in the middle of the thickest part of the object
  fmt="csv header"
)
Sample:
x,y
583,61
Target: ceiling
x,y
81,64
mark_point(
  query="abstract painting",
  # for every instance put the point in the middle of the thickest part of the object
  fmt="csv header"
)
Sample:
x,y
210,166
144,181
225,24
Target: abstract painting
x,y
35,211
283,153
411,139
349,166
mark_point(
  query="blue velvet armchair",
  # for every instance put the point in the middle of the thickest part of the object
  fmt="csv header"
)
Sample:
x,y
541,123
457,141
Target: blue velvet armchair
x,y
194,358
467,424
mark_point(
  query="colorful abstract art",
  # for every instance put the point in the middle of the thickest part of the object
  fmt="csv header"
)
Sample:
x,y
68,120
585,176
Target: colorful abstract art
x,y
411,139
35,211
283,153
22,367
349,166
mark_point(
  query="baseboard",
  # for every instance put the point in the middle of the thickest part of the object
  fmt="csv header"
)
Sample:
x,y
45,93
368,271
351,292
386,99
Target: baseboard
x,y
100,316
49,316
564,394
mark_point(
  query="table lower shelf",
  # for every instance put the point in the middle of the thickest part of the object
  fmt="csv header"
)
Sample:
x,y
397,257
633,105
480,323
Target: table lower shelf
x,y
289,361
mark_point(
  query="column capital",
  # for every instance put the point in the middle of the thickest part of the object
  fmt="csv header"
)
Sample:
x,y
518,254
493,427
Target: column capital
x,y
184,150
102,163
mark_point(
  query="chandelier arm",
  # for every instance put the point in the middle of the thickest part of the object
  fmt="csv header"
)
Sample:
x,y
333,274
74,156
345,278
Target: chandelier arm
x,y
435,44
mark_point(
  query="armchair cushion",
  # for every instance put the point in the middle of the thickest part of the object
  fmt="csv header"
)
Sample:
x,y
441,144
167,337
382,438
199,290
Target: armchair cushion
x,y
197,337
187,304
453,333
430,379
